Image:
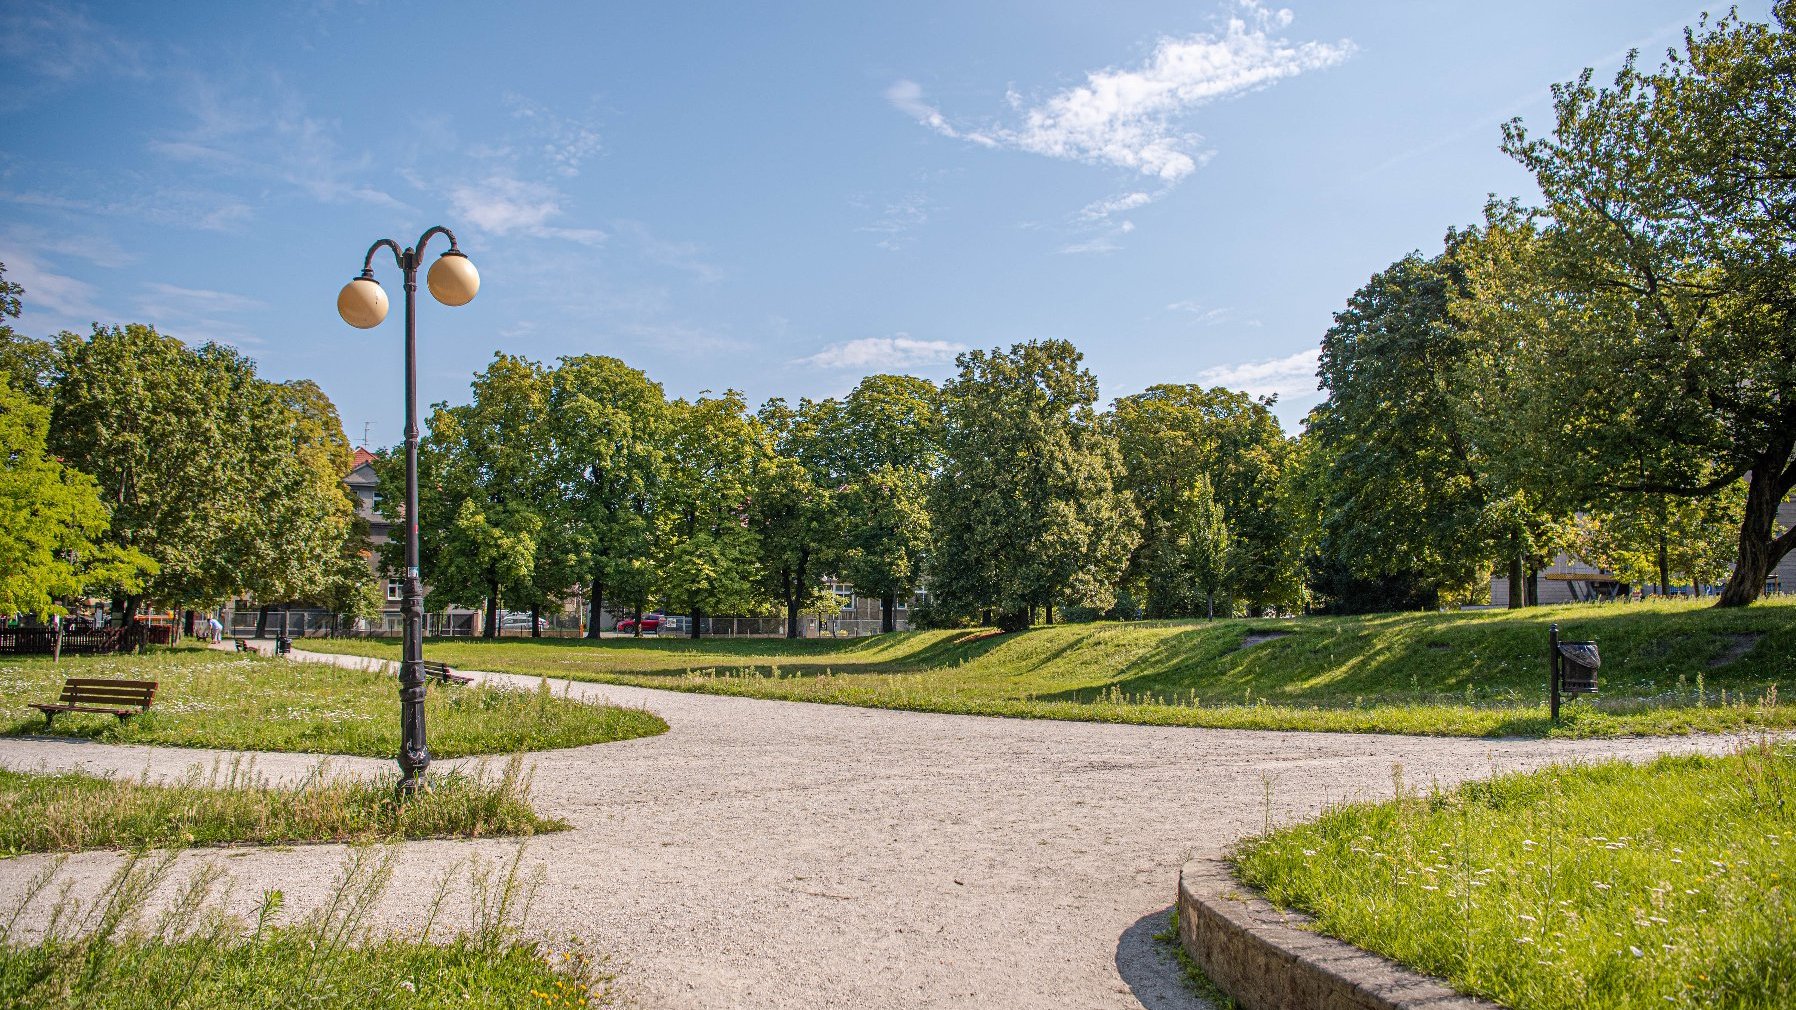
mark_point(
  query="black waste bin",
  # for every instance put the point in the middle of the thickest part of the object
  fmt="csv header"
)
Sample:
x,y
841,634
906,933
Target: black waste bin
x,y
282,646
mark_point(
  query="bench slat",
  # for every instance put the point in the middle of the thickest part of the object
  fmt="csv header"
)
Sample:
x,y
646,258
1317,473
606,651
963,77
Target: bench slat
x,y
96,682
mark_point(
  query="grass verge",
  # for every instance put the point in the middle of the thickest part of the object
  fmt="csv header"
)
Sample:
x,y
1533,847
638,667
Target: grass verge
x,y
1194,976
1668,668
1612,885
113,953
215,699
232,805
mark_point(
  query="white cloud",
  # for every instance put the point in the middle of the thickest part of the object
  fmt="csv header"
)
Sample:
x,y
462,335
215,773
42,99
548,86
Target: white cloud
x,y
1104,243
64,298
505,206
169,299
1288,378
563,143
1205,315
900,351
897,220
1131,118
1100,209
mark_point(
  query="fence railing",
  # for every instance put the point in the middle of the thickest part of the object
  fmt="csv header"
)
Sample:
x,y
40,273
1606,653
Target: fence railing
x,y
42,642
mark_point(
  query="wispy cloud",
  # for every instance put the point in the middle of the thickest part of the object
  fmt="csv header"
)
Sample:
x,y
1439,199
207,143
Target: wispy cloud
x,y
897,219
901,351
1105,242
1098,210
64,299
50,46
1208,315
689,257
168,298
198,314
1133,118
505,205
100,250
563,143
1288,378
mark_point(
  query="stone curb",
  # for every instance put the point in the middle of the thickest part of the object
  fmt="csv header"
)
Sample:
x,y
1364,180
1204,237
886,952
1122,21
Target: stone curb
x,y
1257,955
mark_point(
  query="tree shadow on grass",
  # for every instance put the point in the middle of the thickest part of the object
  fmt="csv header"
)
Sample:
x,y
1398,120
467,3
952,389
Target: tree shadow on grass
x,y
1150,968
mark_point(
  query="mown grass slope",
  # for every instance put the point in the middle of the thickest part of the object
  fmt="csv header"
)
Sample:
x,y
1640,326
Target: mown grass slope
x,y
214,699
1667,667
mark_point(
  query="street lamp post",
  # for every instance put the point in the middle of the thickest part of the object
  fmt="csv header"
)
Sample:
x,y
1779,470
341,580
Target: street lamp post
x,y
362,304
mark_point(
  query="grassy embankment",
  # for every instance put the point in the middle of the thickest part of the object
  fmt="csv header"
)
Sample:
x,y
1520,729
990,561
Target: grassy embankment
x,y
215,699
1612,885
112,952
1668,667
68,812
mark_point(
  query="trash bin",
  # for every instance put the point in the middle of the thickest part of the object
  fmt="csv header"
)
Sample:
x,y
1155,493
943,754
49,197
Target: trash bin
x,y
1578,665
282,646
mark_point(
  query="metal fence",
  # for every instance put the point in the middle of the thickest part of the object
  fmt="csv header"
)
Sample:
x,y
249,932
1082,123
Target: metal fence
x,y
320,624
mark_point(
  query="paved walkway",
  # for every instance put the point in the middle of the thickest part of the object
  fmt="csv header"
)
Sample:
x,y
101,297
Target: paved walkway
x,y
779,854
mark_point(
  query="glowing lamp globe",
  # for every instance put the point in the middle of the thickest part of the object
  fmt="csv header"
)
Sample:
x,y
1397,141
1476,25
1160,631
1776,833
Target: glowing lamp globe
x,y
362,303
453,279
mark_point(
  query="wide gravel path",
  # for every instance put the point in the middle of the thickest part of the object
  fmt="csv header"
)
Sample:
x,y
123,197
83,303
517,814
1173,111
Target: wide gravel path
x,y
779,854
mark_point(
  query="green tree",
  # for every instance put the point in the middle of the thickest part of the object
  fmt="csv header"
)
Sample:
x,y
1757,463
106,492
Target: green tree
x,y
1171,436
1664,253
51,520
1029,510
29,363
1193,559
160,428
706,549
608,425
1402,492
793,503
886,448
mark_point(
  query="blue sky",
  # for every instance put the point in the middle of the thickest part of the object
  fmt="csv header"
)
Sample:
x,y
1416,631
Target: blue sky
x,y
778,198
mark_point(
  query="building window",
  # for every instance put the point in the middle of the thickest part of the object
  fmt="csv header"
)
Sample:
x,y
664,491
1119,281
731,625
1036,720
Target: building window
x,y
844,594
395,590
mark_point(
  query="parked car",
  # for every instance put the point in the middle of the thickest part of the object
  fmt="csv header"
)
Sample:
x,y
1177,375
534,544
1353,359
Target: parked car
x,y
651,624
515,620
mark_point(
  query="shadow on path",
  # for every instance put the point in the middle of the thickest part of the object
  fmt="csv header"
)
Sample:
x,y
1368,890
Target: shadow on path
x,y
1149,968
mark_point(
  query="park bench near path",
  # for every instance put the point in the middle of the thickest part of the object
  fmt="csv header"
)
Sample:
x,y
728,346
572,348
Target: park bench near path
x,y
442,672
123,698
243,645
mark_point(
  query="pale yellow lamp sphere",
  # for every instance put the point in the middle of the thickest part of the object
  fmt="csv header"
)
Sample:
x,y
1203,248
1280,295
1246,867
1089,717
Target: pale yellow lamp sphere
x,y
453,280
362,303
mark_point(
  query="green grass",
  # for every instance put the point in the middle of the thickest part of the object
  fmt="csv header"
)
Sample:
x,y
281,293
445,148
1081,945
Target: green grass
x,y
1192,974
215,699
69,812
1668,667
1612,885
114,954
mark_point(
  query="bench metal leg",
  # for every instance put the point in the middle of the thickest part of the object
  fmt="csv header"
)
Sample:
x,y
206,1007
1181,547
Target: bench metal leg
x,y
49,720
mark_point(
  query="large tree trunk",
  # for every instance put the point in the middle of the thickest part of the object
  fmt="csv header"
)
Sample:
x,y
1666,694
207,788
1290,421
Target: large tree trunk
x,y
636,632
888,613
597,605
1047,615
1015,620
1210,606
1766,486
698,620
1533,585
536,620
492,610
791,617
1517,595
262,621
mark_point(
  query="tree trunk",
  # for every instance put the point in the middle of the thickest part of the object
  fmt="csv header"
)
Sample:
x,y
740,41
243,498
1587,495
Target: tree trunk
x,y
1517,595
597,605
636,632
1210,605
1014,620
262,621
791,617
492,610
1533,586
1759,551
1047,615
698,618
888,613
985,617
536,620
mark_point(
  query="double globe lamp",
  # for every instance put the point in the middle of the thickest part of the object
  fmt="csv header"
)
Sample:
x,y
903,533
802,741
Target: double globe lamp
x,y
362,304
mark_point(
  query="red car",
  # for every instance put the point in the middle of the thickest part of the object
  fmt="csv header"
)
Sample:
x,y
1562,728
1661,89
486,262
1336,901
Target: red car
x,y
650,623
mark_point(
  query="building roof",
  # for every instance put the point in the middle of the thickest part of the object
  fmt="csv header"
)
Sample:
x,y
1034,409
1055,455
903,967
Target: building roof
x,y
359,457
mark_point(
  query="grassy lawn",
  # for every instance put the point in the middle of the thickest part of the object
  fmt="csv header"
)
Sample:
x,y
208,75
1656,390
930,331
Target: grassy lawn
x,y
216,699
69,812
113,954
1610,885
1668,667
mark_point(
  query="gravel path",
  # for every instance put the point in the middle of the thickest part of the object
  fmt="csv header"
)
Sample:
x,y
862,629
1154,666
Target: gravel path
x,y
780,854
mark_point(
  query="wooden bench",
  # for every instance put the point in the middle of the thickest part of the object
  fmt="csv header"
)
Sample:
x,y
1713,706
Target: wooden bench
x,y
244,646
123,698
442,672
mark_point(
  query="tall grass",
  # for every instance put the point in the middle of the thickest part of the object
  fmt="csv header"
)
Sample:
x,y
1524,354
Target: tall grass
x,y
232,804
122,950
1612,885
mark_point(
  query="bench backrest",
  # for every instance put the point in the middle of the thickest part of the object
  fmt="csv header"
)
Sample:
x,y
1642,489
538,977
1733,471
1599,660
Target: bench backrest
x,y
434,667
109,693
